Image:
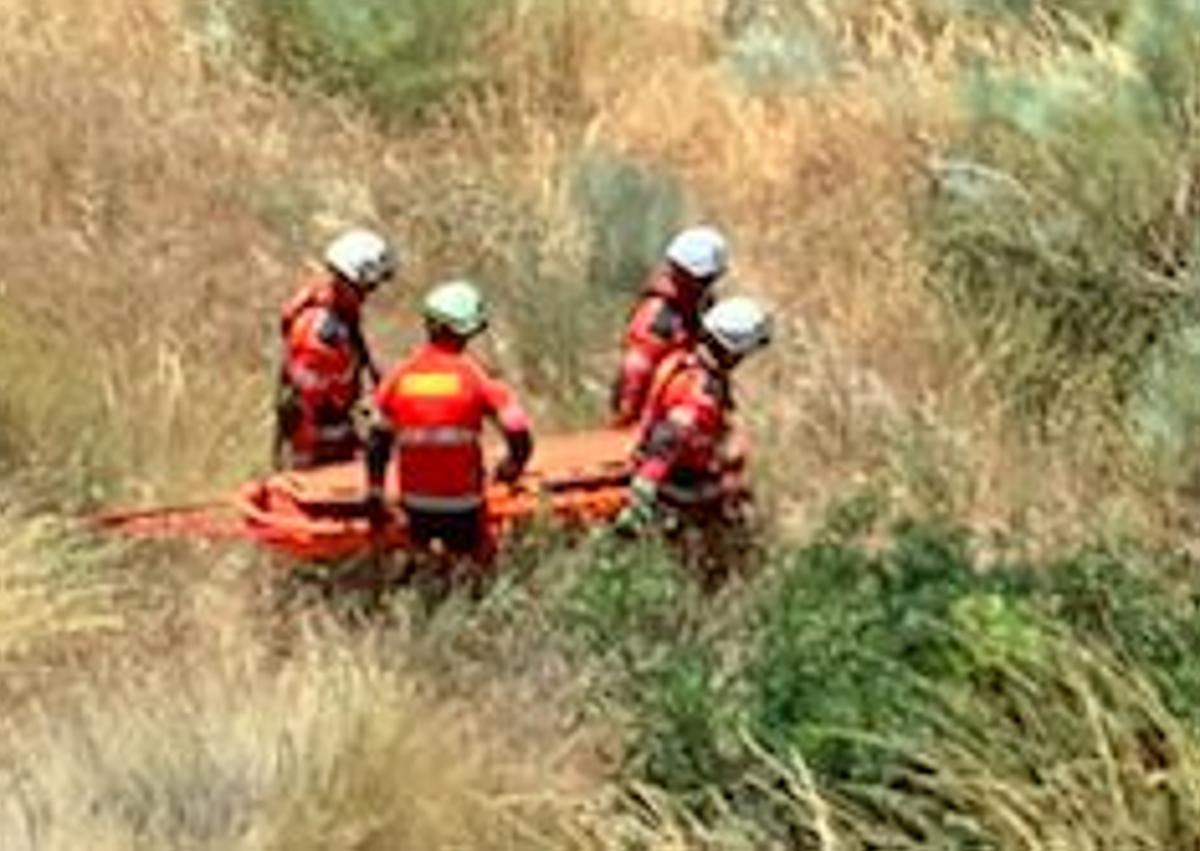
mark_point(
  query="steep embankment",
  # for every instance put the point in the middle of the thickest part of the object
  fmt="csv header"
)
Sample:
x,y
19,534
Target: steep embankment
x,y
976,229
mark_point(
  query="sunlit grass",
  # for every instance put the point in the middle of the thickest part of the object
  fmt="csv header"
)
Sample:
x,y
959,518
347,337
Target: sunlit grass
x,y
159,202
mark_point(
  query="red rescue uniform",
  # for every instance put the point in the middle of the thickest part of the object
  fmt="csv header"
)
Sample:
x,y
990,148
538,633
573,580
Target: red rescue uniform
x,y
684,446
665,320
435,403
321,374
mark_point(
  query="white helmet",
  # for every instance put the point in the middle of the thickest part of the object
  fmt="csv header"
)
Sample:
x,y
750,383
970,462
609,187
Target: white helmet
x,y
739,325
362,257
701,252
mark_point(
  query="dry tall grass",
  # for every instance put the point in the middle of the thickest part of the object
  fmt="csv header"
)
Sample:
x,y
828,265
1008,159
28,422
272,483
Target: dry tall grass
x,y
159,201
147,709
330,748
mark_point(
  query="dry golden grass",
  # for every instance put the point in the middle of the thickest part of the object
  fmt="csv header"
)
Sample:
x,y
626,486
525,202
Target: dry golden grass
x,y
159,699
225,744
157,206
46,608
160,202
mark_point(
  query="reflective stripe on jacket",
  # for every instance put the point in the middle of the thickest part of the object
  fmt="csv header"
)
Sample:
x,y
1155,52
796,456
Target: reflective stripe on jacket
x,y
436,402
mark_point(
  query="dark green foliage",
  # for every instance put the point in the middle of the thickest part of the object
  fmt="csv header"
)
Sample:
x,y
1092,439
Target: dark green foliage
x,y
856,660
635,610
631,604
686,722
568,313
849,644
1155,625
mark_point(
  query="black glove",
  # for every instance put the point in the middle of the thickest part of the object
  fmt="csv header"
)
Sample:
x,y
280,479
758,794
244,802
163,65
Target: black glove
x,y
376,511
507,471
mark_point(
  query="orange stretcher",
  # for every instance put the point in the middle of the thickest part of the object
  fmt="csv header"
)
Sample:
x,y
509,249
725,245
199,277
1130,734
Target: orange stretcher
x,y
572,479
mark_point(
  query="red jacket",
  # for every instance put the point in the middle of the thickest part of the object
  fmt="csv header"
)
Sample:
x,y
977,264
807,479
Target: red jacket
x,y
684,429
665,320
324,350
436,402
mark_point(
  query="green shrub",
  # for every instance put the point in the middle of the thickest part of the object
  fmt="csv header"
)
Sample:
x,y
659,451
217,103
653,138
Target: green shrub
x,y
852,657
770,53
630,606
891,674
1164,408
395,56
630,212
645,621
685,739
849,644
1063,229
1153,624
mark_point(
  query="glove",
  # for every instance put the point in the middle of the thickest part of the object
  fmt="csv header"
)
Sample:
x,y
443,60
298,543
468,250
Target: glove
x,y
376,511
641,511
507,471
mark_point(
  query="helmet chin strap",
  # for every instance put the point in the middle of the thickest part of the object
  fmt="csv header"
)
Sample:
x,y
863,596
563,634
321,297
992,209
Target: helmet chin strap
x,y
713,355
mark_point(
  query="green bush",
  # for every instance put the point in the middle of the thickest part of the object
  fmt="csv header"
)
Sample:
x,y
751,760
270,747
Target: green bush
x,y
630,606
769,53
630,212
855,659
1063,226
685,739
1153,624
567,302
397,57
1164,407
645,620
851,646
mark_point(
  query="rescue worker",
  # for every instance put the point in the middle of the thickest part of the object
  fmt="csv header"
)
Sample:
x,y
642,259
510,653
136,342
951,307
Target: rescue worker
x,y
325,352
684,460
667,317
433,405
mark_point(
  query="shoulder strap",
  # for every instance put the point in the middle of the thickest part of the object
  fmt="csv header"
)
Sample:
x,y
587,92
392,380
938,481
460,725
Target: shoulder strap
x,y
672,366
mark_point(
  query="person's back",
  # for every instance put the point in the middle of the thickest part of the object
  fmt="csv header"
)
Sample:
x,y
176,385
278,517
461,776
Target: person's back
x,y
667,316
433,406
437,401
322,338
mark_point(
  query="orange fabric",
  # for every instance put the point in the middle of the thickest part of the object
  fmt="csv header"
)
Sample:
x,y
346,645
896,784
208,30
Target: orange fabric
x,y
321,288
685,423
436,402
323,363
665,320
578,479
